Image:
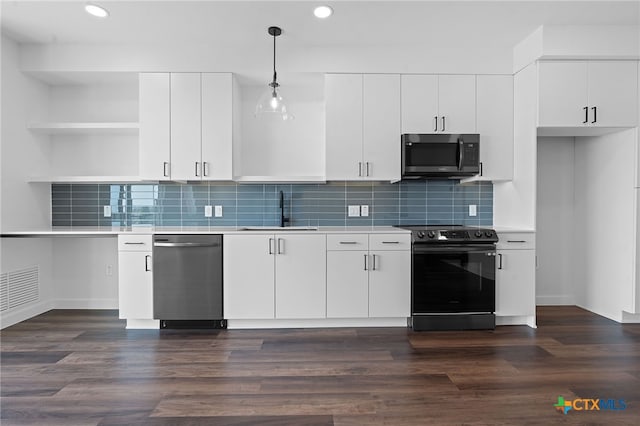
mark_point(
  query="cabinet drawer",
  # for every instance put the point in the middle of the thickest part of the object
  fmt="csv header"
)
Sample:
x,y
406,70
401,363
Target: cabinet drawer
x,y
389,242
516,240
347,242
134,243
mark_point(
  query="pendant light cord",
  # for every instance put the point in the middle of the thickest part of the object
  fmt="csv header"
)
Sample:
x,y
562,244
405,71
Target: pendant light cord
x,y
274,60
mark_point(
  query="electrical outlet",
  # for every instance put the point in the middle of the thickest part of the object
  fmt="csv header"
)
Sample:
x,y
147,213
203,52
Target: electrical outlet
x,y
106,211
473,210
208,211
218,211
354,211
364,210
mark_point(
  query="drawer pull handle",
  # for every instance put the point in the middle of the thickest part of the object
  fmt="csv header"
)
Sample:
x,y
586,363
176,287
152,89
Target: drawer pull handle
x,y
516,241
348,242
391,242
134,244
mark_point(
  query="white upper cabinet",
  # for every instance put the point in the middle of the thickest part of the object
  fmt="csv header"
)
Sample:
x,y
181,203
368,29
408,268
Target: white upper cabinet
x,y
438,104
186,126
344,104
217,126
495,126
587,93
362,127
155,142
381,147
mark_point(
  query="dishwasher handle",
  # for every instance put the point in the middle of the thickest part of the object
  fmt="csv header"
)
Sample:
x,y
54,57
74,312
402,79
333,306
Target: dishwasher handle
x,y
186,244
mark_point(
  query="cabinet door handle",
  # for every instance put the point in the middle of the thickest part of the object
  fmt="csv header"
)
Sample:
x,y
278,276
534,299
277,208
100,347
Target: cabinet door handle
x,y
595,116
270,245
165,169
374,263
367,168
499,261
205,170
443,123
280,246
146,263
481,171
359,168
586,115
435,119
365,262
197,168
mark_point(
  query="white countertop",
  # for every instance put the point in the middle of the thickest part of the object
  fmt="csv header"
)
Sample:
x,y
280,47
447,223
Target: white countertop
x,y
98,231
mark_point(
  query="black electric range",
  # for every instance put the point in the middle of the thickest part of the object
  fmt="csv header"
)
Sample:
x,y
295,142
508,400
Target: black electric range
x,y
453,277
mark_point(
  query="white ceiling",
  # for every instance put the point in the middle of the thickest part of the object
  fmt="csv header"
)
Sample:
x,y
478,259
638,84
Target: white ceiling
x,y
354,23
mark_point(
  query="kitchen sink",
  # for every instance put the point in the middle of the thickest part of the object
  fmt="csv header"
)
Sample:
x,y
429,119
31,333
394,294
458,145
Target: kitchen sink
x,y
279,228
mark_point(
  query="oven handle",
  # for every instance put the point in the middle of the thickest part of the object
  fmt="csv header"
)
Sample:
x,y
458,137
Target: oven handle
x,y
466,248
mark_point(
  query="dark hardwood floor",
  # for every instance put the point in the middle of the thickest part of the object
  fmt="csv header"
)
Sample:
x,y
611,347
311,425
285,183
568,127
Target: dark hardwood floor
x,y
84,368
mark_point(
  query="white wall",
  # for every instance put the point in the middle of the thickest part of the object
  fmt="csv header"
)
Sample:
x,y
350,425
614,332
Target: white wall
x,y
272,147
604,223
23,205
23,153
554,222
80,273
256,63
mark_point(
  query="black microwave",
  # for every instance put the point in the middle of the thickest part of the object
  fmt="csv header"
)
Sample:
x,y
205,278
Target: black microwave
x,y
440,155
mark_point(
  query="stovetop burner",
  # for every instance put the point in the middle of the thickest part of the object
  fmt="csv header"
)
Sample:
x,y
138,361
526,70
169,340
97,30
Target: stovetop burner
x,y
442,234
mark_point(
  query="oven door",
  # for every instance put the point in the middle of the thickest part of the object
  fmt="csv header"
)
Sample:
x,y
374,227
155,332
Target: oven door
x,y
453,279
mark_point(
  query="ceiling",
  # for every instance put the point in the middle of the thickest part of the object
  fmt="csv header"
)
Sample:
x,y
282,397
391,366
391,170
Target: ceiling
x,y
354,23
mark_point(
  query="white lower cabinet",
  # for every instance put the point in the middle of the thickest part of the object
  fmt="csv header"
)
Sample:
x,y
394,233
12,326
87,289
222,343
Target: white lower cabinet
x,y
515,275
135,279
270,276
364,283
390,284
347,284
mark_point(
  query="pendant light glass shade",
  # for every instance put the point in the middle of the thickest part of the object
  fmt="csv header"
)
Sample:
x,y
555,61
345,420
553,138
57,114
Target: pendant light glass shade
x,y
271,102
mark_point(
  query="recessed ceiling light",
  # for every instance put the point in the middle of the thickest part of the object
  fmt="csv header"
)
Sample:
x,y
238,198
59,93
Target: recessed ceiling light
x,y
323,12
95,10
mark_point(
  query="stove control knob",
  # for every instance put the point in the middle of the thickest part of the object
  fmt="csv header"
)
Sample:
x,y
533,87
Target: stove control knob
x,y
431,234
420,234
488,234
478,234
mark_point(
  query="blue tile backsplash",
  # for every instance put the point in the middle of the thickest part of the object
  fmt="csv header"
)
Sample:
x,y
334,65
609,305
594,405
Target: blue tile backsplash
x,y
173,204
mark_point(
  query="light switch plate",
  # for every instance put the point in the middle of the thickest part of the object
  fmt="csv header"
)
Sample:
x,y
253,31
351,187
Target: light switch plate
x,y
364,210
107,211
473,210
218,211
208,211
354,211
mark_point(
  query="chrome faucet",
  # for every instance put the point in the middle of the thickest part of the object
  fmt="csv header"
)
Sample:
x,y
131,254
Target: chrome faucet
x,y
283,219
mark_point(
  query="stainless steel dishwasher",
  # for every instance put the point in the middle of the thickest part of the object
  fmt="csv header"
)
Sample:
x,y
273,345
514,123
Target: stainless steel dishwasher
x,y
187,281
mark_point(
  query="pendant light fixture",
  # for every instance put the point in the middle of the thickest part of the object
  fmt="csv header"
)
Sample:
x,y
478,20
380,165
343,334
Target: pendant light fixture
x,y
271,102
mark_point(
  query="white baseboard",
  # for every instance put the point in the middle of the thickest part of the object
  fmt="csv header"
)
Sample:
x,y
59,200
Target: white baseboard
x,y
85,304
556,299
316,323
517,320
143,324
15,316
629,318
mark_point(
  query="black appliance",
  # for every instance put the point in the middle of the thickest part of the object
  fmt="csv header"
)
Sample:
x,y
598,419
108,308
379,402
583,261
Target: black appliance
x,y
453,277
440,155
